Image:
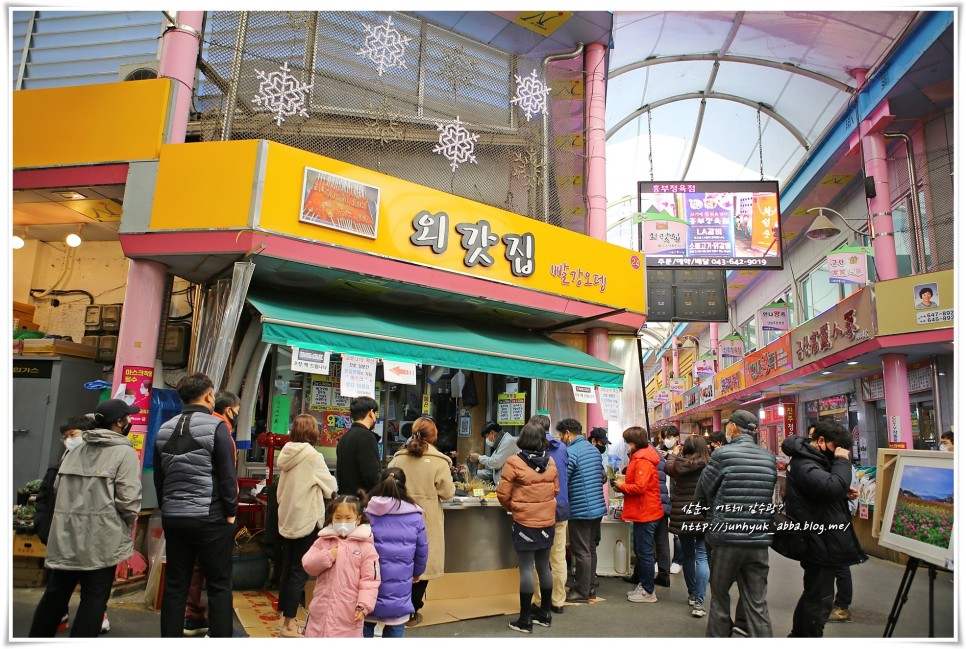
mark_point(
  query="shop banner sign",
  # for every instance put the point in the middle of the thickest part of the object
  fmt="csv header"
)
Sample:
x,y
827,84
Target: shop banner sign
x,y
849,265
919,375
584,393
703,368
677,406
137,391
730,380
511,409
918,303
335,422
678,385
358,377
663,395
610,403
731,347
707,390
309,360
770,361
281,408
692,397
397,372
847,323
774,317
664,235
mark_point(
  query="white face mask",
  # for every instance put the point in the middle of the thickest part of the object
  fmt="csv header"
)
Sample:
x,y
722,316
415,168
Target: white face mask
x,y
73,442
671,442
343,529
944,447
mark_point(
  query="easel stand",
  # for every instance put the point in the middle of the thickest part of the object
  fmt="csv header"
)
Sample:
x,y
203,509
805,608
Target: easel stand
x,y
912,565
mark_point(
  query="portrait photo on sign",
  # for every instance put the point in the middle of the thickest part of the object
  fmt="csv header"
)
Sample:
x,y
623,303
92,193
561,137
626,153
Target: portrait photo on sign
x,y
339,203
926,296
918,517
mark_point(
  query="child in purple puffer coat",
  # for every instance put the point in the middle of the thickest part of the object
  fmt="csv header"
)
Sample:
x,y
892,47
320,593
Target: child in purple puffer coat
x,y
400,536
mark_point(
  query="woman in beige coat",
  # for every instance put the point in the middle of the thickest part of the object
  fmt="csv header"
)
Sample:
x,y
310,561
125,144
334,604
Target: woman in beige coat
x,y
428,481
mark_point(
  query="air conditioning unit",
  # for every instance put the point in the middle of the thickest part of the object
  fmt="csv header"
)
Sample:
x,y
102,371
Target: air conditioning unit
x,y
138,71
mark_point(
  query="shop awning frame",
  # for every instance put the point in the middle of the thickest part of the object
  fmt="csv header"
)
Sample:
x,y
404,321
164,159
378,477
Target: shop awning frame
x,y
353,328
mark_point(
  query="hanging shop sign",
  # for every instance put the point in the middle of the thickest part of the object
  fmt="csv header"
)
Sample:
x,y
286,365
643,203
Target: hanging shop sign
x,y
846,324
703,368
731,346
584,393
398,372
774,317
678,385
677,406
692,397
511,409
707,390
770,361
358,376
663,395
309,360
730,380
610,403
849,265
918,373
917,303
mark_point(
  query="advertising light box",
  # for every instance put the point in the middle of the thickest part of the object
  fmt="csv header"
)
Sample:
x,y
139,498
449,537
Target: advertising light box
x,y
710,224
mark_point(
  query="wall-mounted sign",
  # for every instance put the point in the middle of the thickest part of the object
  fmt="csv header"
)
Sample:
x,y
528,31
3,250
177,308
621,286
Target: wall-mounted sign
x,y
849,265
339,203
703,369
137,391
677,406
771,360
846,324
398,372
729,380
731,346
358,377
774,317
466,424
679,384
917,303
663,395
919,375
692,397
610,403
723,224
511,409
707,390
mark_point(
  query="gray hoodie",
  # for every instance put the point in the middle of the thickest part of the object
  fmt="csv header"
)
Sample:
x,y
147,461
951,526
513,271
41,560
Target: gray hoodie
x,y
98,500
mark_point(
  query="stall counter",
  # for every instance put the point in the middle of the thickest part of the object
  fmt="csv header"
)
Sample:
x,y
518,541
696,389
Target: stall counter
x,y
477,532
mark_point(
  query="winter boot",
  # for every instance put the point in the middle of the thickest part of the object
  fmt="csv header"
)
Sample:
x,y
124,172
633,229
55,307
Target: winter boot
x,y
541,615
524,625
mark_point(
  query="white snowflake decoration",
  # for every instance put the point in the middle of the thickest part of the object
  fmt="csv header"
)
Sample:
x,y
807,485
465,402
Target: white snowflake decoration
x,y
456,144
282,93
384,46
531,95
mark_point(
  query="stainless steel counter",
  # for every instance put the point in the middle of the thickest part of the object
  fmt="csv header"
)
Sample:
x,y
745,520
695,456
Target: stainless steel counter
x,y
477,537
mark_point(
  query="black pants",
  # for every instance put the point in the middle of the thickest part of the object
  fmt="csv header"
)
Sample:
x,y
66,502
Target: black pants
x,y
843,587
815,604
293,574
419,593
584,536
210,544
95,591
662,547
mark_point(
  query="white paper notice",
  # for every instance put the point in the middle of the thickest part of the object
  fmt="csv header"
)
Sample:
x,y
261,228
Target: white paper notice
x,y
584,393
610,403
396,372
309,360
358,378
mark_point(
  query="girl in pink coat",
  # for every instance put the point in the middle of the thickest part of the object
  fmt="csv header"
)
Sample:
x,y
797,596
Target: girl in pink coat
x,y
346,565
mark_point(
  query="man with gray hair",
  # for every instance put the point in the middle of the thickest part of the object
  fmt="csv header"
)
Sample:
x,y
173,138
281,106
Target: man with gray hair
x,y
738,486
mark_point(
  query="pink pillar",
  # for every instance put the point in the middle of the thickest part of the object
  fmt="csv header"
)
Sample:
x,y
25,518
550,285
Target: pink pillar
x,y
880,207
896,382
674,356
716,420
179,57
713,332
594,69
664,371
598,348
137,340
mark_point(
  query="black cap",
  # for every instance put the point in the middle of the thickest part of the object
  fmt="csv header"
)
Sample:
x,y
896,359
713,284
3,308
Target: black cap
x,y
107,412
600,434
744,420
490,426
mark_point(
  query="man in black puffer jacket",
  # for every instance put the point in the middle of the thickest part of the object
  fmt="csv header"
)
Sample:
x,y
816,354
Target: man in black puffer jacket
x,y
738,486
818,478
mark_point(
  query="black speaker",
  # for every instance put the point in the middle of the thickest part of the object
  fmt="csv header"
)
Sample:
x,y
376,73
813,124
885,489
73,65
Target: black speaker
x,y
870,186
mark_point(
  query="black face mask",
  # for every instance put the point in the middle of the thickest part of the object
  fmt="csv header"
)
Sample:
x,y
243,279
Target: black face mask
x,y
126,429
601,449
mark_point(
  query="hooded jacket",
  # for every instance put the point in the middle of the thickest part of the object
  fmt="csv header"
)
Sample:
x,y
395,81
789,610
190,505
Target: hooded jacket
x,y
528,494
685,471
559,451
304,484
98,500
738,486
504,446
585,480
429,482
817,491
400,538
350,580
642,493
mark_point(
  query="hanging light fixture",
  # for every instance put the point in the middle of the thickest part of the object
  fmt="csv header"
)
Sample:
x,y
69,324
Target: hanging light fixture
x,y
17,242
74,239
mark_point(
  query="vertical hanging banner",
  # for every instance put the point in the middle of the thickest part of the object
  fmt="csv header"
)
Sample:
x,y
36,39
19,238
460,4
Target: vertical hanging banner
x,y
584,393
610,403
358,377
849,265
774,317
397,372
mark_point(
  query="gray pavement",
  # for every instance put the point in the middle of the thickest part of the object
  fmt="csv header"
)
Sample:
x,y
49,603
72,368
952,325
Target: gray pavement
x,y
875,584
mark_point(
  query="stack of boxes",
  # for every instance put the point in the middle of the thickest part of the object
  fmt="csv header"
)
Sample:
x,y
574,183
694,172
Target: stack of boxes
x,y
101,324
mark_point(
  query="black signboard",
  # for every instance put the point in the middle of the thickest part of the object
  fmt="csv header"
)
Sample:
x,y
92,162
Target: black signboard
x,y
687,295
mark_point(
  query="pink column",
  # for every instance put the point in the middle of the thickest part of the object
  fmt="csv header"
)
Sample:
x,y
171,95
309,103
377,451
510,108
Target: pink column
x,y
664,371
594,69
896,382
880,207
179,56
598,348
716,420
674,356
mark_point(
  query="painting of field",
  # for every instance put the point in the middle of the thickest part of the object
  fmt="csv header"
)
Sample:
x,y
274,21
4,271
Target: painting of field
x,y
924,507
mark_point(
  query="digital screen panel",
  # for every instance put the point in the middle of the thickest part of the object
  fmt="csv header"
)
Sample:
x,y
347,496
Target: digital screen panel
x,y
710,224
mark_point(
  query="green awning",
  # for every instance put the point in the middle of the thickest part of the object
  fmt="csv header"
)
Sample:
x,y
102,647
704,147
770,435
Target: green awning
x,y
377,332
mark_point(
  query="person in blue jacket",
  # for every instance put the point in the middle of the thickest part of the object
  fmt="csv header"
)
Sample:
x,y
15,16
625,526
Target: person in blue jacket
x,y
585,478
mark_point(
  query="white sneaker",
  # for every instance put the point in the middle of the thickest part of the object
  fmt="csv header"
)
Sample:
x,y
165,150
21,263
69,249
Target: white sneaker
x,y
637,590
656,569
643,597
105,624
692,601
675,568
698,611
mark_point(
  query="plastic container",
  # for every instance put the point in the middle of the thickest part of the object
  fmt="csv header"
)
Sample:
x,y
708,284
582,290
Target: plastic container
x,y
620,557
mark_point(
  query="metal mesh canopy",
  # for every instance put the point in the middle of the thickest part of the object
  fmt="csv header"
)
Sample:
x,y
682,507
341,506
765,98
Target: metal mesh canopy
x,y
383,89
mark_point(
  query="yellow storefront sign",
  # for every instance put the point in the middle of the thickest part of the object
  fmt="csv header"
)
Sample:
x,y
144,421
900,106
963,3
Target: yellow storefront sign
x,y
542,22
912,304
